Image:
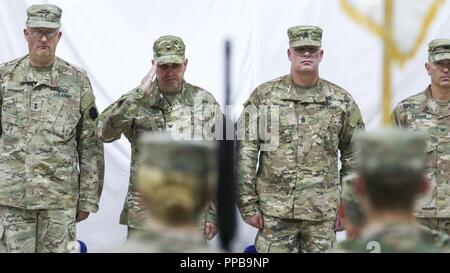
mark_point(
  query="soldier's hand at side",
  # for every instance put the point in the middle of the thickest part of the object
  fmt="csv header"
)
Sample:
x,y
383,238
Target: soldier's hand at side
x,y
339,225
82,215
256,221
147,80
210,231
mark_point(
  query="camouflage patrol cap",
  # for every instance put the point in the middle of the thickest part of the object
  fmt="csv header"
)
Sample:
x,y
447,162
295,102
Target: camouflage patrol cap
x,y
175,176
45,16
388,151
439,49
169,49
305,36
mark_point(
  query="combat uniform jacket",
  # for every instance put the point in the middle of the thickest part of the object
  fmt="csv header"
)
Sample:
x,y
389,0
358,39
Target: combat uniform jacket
x,y
421,113
164,241
396,237
297,175
49,155
191,115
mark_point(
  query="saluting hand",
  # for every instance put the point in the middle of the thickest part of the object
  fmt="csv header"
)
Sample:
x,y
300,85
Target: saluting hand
x,y
147,80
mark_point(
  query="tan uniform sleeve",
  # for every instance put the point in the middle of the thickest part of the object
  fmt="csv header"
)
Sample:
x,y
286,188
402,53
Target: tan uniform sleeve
x,y
118,118
90,153
352,123
247,157
398,117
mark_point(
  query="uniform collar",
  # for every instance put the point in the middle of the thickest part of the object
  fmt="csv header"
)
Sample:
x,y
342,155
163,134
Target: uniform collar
x,y
313,95
185,97
27,76
431,106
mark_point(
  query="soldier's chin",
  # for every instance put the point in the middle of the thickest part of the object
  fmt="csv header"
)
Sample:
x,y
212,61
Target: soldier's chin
x,y
43,53
170,90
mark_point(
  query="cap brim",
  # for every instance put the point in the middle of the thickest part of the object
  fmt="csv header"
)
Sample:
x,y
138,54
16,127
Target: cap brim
x,y
440,56
43,24
305,43
169,59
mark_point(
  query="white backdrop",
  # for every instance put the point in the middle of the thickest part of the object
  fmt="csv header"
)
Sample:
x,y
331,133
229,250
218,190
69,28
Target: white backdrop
x,y
112,40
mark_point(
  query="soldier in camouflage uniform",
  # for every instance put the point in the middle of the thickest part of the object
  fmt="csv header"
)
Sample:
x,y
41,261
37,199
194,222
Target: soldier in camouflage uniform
x,y
293,195
176,179
51,163
391,173
167,104
429,112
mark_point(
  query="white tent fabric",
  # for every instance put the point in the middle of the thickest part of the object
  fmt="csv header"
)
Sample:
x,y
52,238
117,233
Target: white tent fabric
x,y
112,40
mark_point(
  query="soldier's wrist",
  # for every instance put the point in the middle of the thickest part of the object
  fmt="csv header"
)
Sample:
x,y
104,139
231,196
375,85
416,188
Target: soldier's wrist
x,y
87,206
250,211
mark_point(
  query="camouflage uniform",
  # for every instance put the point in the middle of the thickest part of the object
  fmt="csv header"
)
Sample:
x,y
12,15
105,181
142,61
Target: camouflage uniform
x,y
296,186
383,158
175,179
150,241
396,237
421,112
191,115
51,164
354,214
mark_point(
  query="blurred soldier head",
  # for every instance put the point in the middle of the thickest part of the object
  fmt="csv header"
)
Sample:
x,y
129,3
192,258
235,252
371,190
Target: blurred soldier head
x,y
175,178
350,208
305,53
438,65
391,166
42,33
169,53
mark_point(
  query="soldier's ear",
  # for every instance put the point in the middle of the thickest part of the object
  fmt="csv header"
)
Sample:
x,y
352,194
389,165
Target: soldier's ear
x,y
289,53
321,54
26,34
427,67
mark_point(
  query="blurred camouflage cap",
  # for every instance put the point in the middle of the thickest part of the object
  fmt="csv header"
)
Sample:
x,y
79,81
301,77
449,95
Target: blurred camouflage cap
x,y
169,49
390,150
439,49
45,16
305,36
176,178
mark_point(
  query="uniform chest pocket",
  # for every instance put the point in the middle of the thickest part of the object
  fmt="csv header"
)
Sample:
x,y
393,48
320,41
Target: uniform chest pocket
x,y
287,114
431,158
13,114
63,119
325,134
287,125
148,122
